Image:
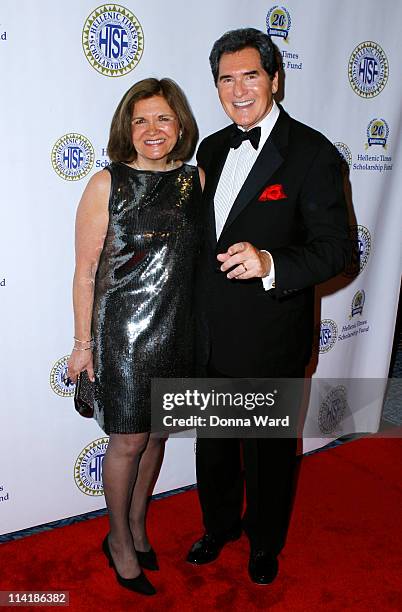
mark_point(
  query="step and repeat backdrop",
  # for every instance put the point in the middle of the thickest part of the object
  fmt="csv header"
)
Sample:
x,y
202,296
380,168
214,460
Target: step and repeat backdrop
x,y
64,67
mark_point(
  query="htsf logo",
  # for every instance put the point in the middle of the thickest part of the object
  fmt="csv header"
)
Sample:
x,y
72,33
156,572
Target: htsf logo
x,y
368,69
73,157
344,152
88,469
328,335
333,409
360,239
113,40
59,380
278,22
377,133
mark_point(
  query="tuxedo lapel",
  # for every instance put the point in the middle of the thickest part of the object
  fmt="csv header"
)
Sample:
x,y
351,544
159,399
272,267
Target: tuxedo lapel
x,y
268,161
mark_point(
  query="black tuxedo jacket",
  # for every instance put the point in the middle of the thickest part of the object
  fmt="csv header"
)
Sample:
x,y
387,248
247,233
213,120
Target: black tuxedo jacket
x,y
244,330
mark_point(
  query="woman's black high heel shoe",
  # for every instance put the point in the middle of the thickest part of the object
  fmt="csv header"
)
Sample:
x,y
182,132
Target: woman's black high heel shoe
x,y
148,559
140,584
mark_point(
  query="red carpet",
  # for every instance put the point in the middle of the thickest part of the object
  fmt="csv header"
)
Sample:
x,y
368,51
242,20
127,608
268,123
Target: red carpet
x,y
344,550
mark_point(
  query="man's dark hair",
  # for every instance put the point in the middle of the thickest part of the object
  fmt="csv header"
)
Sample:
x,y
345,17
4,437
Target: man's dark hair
x,y
237,40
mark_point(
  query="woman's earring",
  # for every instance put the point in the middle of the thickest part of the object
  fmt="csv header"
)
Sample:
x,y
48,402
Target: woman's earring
x,y
180,134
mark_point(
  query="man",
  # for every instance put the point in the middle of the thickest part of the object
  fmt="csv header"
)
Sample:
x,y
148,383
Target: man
x,y
277,226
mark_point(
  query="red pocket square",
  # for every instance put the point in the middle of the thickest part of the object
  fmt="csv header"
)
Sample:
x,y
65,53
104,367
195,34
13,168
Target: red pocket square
x,y
273,192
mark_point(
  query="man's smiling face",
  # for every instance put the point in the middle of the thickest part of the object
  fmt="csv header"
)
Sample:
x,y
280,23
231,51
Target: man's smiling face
x,y
245,89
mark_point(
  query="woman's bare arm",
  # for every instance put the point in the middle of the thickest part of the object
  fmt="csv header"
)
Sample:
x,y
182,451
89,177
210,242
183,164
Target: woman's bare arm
x,y
90,231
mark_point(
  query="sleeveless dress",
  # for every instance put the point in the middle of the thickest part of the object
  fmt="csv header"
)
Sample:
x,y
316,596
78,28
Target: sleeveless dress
x,y
143,322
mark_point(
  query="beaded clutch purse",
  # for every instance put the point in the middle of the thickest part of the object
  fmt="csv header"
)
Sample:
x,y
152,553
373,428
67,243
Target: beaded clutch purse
x,y
84,395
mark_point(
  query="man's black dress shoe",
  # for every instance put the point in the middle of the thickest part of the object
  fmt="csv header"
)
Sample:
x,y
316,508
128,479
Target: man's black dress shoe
x,y
262,567
208,548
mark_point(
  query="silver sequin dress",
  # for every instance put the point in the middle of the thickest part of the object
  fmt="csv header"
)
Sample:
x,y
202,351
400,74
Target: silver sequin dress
x,y
142,319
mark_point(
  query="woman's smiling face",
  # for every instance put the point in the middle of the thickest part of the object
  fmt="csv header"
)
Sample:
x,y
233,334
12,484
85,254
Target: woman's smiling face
x,y
154,129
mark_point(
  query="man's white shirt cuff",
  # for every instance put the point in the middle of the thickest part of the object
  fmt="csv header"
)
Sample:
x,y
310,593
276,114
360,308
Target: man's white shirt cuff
x,y
269,281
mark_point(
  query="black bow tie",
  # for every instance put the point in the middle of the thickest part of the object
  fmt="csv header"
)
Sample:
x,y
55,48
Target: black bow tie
x,y
238,136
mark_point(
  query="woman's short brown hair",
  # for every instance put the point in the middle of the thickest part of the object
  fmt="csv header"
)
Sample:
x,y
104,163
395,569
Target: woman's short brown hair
x,y
120,146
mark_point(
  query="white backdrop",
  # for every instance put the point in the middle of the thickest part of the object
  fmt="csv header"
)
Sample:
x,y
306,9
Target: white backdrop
x,y
50,458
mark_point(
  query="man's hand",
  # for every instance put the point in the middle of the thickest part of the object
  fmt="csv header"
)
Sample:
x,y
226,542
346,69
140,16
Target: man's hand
x,y
250,262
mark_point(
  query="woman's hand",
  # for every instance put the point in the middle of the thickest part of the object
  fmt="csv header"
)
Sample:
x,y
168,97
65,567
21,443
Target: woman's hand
x,y
78,362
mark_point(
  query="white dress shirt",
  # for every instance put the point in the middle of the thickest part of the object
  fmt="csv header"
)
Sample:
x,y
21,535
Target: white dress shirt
x,y
235,171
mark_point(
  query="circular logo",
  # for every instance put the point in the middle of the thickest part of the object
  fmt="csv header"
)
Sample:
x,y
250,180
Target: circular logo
x,y
357,303
328,335
377,133
88,467
73,157
332,410
113,40
344,152
59,380
278,22
368,69
360,239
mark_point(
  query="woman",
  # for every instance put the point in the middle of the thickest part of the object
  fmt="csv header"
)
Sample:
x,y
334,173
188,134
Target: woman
x,y
137,236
